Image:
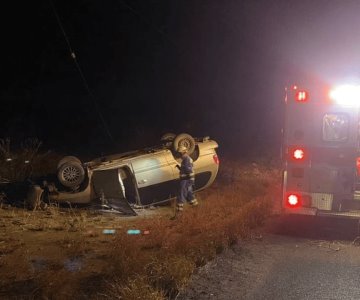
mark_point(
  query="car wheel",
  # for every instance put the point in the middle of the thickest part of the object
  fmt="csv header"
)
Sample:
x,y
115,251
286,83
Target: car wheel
x,y
71,174
34,197
66,159
185,140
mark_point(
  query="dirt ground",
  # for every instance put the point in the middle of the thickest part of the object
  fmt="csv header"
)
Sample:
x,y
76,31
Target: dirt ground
x,y
73,243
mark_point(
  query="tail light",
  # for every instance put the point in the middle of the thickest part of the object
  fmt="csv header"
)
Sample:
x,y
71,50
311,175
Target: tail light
x,y
301,96
216,159
358,166
297,154
293,200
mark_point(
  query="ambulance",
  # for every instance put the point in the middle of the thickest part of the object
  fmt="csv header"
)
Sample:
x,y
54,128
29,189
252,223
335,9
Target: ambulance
x,y
321,151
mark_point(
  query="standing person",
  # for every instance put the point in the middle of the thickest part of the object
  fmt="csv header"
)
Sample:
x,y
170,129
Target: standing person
x,y
187,180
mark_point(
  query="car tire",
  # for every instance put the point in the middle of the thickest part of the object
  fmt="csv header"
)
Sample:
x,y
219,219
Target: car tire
x,y
71,174
66,159
34,197
185,140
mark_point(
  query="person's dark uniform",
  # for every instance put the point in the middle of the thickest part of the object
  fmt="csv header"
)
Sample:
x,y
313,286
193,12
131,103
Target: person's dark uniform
x,y
187,180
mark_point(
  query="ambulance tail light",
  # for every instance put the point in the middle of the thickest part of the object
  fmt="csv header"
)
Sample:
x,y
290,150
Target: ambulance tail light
x,y
293,200
301,96
358,166
298,154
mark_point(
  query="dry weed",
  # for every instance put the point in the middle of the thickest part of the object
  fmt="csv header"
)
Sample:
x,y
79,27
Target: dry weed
x,y
18,164
136,288
53,284
157,265
127,257
170,273
175,247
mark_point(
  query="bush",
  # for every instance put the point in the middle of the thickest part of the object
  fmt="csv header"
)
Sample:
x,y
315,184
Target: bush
x,y
18,164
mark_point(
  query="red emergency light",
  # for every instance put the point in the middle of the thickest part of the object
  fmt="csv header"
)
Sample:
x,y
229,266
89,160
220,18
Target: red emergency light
x,y
298,154
301,96
293,200
358,166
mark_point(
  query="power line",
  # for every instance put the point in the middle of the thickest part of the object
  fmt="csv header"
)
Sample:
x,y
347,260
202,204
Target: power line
x,y
73,56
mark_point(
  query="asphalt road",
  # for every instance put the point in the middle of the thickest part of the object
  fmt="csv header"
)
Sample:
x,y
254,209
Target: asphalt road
x,y
290,258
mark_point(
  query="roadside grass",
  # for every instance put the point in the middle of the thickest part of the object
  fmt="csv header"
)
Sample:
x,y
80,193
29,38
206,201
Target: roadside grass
x,y
152,266
163,261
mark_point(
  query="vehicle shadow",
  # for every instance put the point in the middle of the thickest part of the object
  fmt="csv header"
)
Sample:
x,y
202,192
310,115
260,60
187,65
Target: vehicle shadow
x,y
310,227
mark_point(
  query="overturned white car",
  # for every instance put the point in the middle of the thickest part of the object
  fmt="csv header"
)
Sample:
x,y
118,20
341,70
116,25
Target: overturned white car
x,y
142,177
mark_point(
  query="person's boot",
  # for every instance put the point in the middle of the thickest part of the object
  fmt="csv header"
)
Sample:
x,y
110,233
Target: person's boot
x,y
179,207
194,202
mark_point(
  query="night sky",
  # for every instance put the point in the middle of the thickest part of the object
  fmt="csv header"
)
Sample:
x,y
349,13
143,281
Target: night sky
x,y
206,67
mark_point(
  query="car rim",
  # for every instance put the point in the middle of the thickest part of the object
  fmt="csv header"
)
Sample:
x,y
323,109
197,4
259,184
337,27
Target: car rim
x,y
71,174
186,143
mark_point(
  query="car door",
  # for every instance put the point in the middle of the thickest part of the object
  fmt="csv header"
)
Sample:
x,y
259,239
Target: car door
x,y
206,165
154,177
